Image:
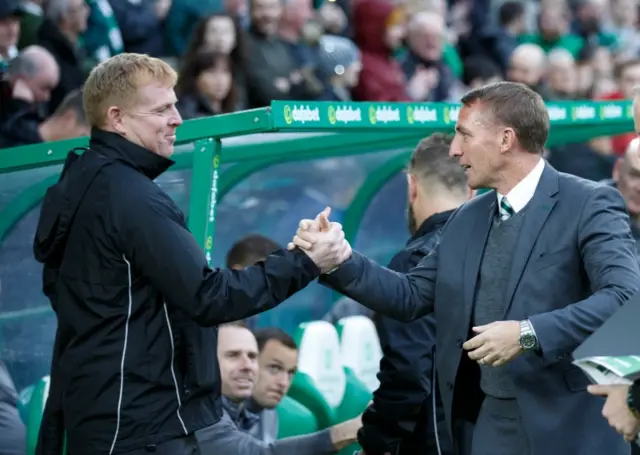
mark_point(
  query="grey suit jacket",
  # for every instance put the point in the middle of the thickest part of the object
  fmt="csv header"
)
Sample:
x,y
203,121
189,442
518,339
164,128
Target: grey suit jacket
x,y
575,264
225,438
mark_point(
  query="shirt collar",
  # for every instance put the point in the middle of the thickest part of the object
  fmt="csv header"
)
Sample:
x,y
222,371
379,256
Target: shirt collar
x,y
522,193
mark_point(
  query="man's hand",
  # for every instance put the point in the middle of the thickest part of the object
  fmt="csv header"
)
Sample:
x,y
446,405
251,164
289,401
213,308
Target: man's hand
x,y
345,433
616,410
319,224
21,91
322,241
496,343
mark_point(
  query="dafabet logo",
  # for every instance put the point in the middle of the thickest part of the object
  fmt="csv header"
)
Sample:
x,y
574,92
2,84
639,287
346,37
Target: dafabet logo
x,y
344,114
383,114
301,114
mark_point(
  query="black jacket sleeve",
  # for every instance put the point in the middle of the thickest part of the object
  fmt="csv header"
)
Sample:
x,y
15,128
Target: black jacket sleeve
x,y
51,435
161,249
405,374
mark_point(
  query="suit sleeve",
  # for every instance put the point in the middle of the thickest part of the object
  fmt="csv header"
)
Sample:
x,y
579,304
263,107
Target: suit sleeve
x,y
158,246
225,438
609,260
404,297
405,374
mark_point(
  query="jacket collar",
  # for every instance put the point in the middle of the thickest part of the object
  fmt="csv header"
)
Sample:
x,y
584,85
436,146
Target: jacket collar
x,y
431,224
115,146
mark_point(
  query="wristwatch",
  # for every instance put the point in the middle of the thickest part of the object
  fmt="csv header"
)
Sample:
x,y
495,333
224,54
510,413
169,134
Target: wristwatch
x,y
528,339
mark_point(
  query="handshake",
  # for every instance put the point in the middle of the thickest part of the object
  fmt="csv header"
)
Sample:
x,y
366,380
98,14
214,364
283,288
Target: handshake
x,y
322,241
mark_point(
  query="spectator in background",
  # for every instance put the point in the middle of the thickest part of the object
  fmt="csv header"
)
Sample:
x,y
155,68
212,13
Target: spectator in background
x,y
528,65
28,82
222,34
239,11
12,428
239,429
249,250
64,22
379,32
554,29
272,70
627,76
141,23
588,23
182,20
295,15
277,364
562,75
30,22
500,44
206,85
339,65
10,13
26,127
429,78
626,177
102,38
479,71
622,23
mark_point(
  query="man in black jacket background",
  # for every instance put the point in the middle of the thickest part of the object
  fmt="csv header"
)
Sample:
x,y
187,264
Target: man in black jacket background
x,y
134,368
401,419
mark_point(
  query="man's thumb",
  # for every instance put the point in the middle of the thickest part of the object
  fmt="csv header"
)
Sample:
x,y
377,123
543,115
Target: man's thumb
x,y
323,219
598,390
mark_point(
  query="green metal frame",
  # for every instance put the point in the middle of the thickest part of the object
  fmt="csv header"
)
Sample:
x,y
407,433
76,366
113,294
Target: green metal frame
x,y
328,130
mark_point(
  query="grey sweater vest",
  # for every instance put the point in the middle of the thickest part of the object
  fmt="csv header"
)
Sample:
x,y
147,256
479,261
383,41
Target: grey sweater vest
x,y
490,302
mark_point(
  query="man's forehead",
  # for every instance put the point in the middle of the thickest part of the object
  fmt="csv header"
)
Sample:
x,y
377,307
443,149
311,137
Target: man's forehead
x,y
237,339
275,350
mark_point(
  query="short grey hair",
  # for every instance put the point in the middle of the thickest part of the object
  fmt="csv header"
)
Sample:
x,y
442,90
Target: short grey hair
x,y
54,10
24,64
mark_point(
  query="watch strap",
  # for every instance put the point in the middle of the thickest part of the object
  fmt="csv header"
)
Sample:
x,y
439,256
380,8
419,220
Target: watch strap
x,y
633,398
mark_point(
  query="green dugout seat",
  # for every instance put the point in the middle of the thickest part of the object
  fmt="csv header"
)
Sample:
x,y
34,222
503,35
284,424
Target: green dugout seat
x,y
35,409
322,384
294,419
360,349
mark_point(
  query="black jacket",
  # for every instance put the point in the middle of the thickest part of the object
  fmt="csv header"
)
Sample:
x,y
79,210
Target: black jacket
x,y
400,421
134,361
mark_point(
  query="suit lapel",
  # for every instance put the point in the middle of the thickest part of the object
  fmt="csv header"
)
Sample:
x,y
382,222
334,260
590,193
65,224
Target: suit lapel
x,y
540,207
475,250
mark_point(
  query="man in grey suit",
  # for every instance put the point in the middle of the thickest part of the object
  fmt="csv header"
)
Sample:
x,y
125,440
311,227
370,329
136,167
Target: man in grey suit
x,y
522,275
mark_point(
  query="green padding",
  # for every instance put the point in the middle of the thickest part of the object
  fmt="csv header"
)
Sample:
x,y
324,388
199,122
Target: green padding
x,y
36,409
294,419
23,402
304,391
356,398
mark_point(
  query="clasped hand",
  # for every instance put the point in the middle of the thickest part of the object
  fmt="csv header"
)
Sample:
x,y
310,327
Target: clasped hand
x,y
322,241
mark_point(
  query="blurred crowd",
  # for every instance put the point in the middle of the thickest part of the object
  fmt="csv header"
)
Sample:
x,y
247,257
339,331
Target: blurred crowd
x,y
238,54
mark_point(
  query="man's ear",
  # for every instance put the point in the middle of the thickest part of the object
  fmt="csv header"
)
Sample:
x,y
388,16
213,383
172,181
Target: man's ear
x,y
616,171
412,185
115,119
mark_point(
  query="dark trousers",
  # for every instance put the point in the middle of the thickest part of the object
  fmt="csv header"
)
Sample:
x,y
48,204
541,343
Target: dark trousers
x,y
498,431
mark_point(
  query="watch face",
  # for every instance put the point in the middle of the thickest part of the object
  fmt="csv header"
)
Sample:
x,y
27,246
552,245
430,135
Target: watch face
x,y
528,341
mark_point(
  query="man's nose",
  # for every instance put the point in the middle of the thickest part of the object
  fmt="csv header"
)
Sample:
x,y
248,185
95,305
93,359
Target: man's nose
x,y
176,119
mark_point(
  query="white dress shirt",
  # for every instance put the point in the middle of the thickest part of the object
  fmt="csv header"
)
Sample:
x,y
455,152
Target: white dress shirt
x,y
522,193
